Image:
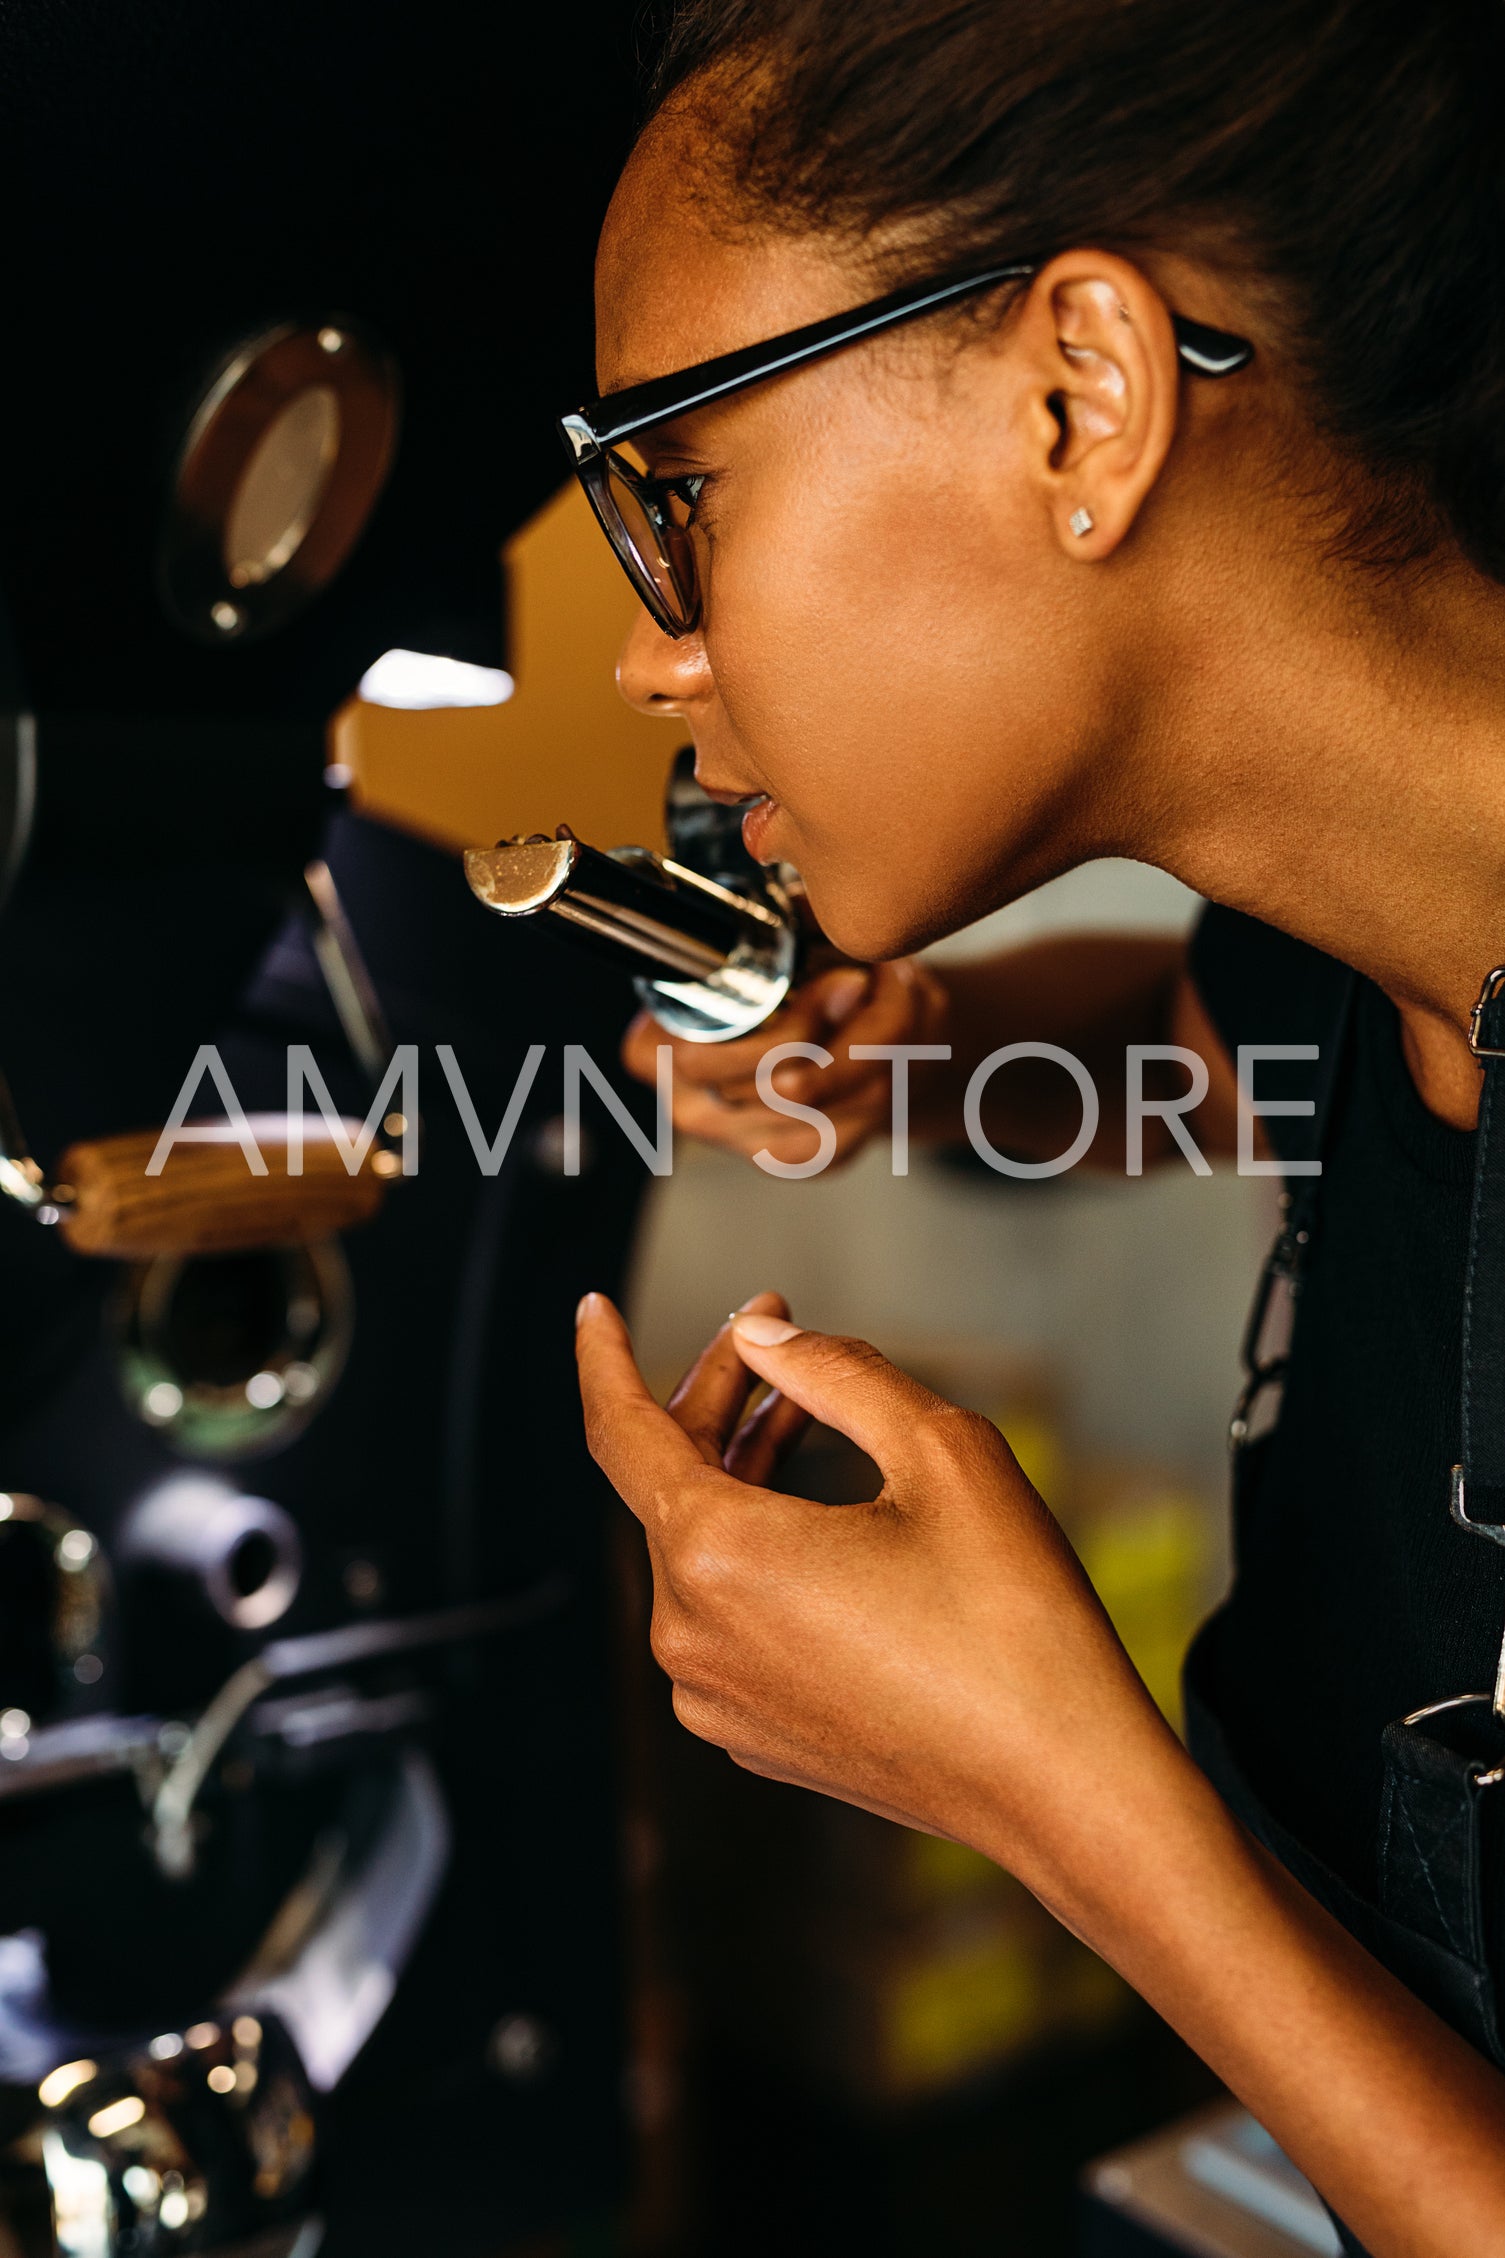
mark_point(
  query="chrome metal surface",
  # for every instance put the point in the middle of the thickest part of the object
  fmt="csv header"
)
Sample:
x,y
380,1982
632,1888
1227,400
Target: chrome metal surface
x,y
518,876
290,1309
200,2139
352,990
1493,984
330,1979
1496,1773
641,936
283,462
1458,1507
285,1659
241,1556
723,958
20,1177
57,1757
55,1607
18,792
201,2135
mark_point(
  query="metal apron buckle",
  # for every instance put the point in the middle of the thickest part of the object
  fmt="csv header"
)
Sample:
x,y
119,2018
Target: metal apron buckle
x,y
1282,1267
1489,1779
1482,1023
1495,1532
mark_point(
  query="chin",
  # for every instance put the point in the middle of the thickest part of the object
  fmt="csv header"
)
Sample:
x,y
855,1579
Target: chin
x,y
872,932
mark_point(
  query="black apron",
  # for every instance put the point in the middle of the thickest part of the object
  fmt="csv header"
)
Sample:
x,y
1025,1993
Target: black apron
x,y
1440,1903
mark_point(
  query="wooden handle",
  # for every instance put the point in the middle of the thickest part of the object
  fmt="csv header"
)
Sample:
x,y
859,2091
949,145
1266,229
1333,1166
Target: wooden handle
x,y
206,1200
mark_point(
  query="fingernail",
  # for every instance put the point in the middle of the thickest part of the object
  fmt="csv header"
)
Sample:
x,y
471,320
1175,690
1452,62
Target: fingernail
x,y
844,992
586,1307
766,1332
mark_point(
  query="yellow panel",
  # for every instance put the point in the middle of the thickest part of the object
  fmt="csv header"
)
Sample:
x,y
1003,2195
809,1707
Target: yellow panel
x,y
954,2014
938,1871
1147,1556
563,749
949,2015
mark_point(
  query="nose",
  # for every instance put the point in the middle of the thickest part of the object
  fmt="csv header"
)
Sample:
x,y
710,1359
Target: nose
x,y
659,673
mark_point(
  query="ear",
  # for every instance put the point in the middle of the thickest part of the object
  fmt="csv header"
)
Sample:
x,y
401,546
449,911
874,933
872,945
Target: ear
x,y
1103,378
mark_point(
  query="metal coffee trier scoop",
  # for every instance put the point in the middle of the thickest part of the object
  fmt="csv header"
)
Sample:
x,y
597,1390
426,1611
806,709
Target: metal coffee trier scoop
x,y
718,940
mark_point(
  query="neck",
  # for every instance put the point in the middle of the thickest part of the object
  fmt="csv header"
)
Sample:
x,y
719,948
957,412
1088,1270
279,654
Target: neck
x,y
1345,781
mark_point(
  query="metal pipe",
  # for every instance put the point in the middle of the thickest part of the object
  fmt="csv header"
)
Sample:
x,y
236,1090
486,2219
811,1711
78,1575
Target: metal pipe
x,y
713,962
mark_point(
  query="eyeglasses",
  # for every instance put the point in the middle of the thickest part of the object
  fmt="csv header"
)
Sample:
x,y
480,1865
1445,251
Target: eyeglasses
x,y
647,520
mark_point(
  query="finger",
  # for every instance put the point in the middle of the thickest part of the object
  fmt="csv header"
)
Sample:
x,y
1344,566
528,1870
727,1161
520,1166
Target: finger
x,y
813,1011
710,1399
803,1079
847,1385
807,1015
745,1129
704,1114
696,1065
640,1048
771,1430
892,1010
638,1447
778,1138
723,1065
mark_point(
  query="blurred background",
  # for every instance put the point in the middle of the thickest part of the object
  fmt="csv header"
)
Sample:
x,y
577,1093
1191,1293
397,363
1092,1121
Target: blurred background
x,y
917,2056
358,1892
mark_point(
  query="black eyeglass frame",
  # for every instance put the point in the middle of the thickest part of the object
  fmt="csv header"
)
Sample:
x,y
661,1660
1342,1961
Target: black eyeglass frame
x,y
592,433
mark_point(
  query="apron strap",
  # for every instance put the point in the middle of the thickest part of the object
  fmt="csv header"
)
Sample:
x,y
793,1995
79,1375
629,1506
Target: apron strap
x,y
1440,1842
1479,1478
1264,1368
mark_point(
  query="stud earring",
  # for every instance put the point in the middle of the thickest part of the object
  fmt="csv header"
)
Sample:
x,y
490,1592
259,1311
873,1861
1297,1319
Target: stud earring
x,y
1080,522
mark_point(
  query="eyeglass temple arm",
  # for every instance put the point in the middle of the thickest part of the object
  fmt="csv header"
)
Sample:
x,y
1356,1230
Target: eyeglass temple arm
x,y
1203,350
1207,351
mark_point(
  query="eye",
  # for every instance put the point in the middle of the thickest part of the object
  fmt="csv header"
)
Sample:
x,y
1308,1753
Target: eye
x,y
682,495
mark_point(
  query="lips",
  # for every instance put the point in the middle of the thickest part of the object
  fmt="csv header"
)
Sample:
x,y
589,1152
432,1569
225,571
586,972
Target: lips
x,y
724,795
755,828
760,811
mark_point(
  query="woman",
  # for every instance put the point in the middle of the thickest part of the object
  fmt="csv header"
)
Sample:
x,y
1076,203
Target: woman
x,y
1176,529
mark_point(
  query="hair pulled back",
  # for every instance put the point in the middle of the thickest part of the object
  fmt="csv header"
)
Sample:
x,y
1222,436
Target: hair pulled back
x,y
1350,152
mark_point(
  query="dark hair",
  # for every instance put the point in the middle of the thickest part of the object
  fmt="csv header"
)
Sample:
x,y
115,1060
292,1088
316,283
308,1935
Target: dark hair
x,y
1348,151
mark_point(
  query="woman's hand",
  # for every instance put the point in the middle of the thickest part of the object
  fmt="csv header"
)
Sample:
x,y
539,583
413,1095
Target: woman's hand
x,y
716,1096
936,1655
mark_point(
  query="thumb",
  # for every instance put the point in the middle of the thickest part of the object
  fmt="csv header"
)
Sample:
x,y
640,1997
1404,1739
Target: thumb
x,y
846,1384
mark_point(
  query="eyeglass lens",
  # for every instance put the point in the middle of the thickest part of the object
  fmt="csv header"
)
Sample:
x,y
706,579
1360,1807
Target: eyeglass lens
x,y
656,548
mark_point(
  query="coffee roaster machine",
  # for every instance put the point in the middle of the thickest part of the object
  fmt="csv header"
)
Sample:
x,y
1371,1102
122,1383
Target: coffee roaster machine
x,y
310,1908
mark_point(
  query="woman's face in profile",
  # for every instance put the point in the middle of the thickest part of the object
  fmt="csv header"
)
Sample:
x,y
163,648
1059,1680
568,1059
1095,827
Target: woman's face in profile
x,y
893,647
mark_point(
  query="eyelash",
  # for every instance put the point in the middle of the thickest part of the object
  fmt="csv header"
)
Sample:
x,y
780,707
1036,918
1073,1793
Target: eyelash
x,y
686,490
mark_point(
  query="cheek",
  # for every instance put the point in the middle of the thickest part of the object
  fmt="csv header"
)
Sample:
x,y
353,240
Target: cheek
x,y
902,683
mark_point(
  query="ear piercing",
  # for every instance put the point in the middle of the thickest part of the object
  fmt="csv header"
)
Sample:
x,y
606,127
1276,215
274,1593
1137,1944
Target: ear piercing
x,y
1080,522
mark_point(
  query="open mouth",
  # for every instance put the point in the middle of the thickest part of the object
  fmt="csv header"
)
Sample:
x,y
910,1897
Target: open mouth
x,y
729,799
